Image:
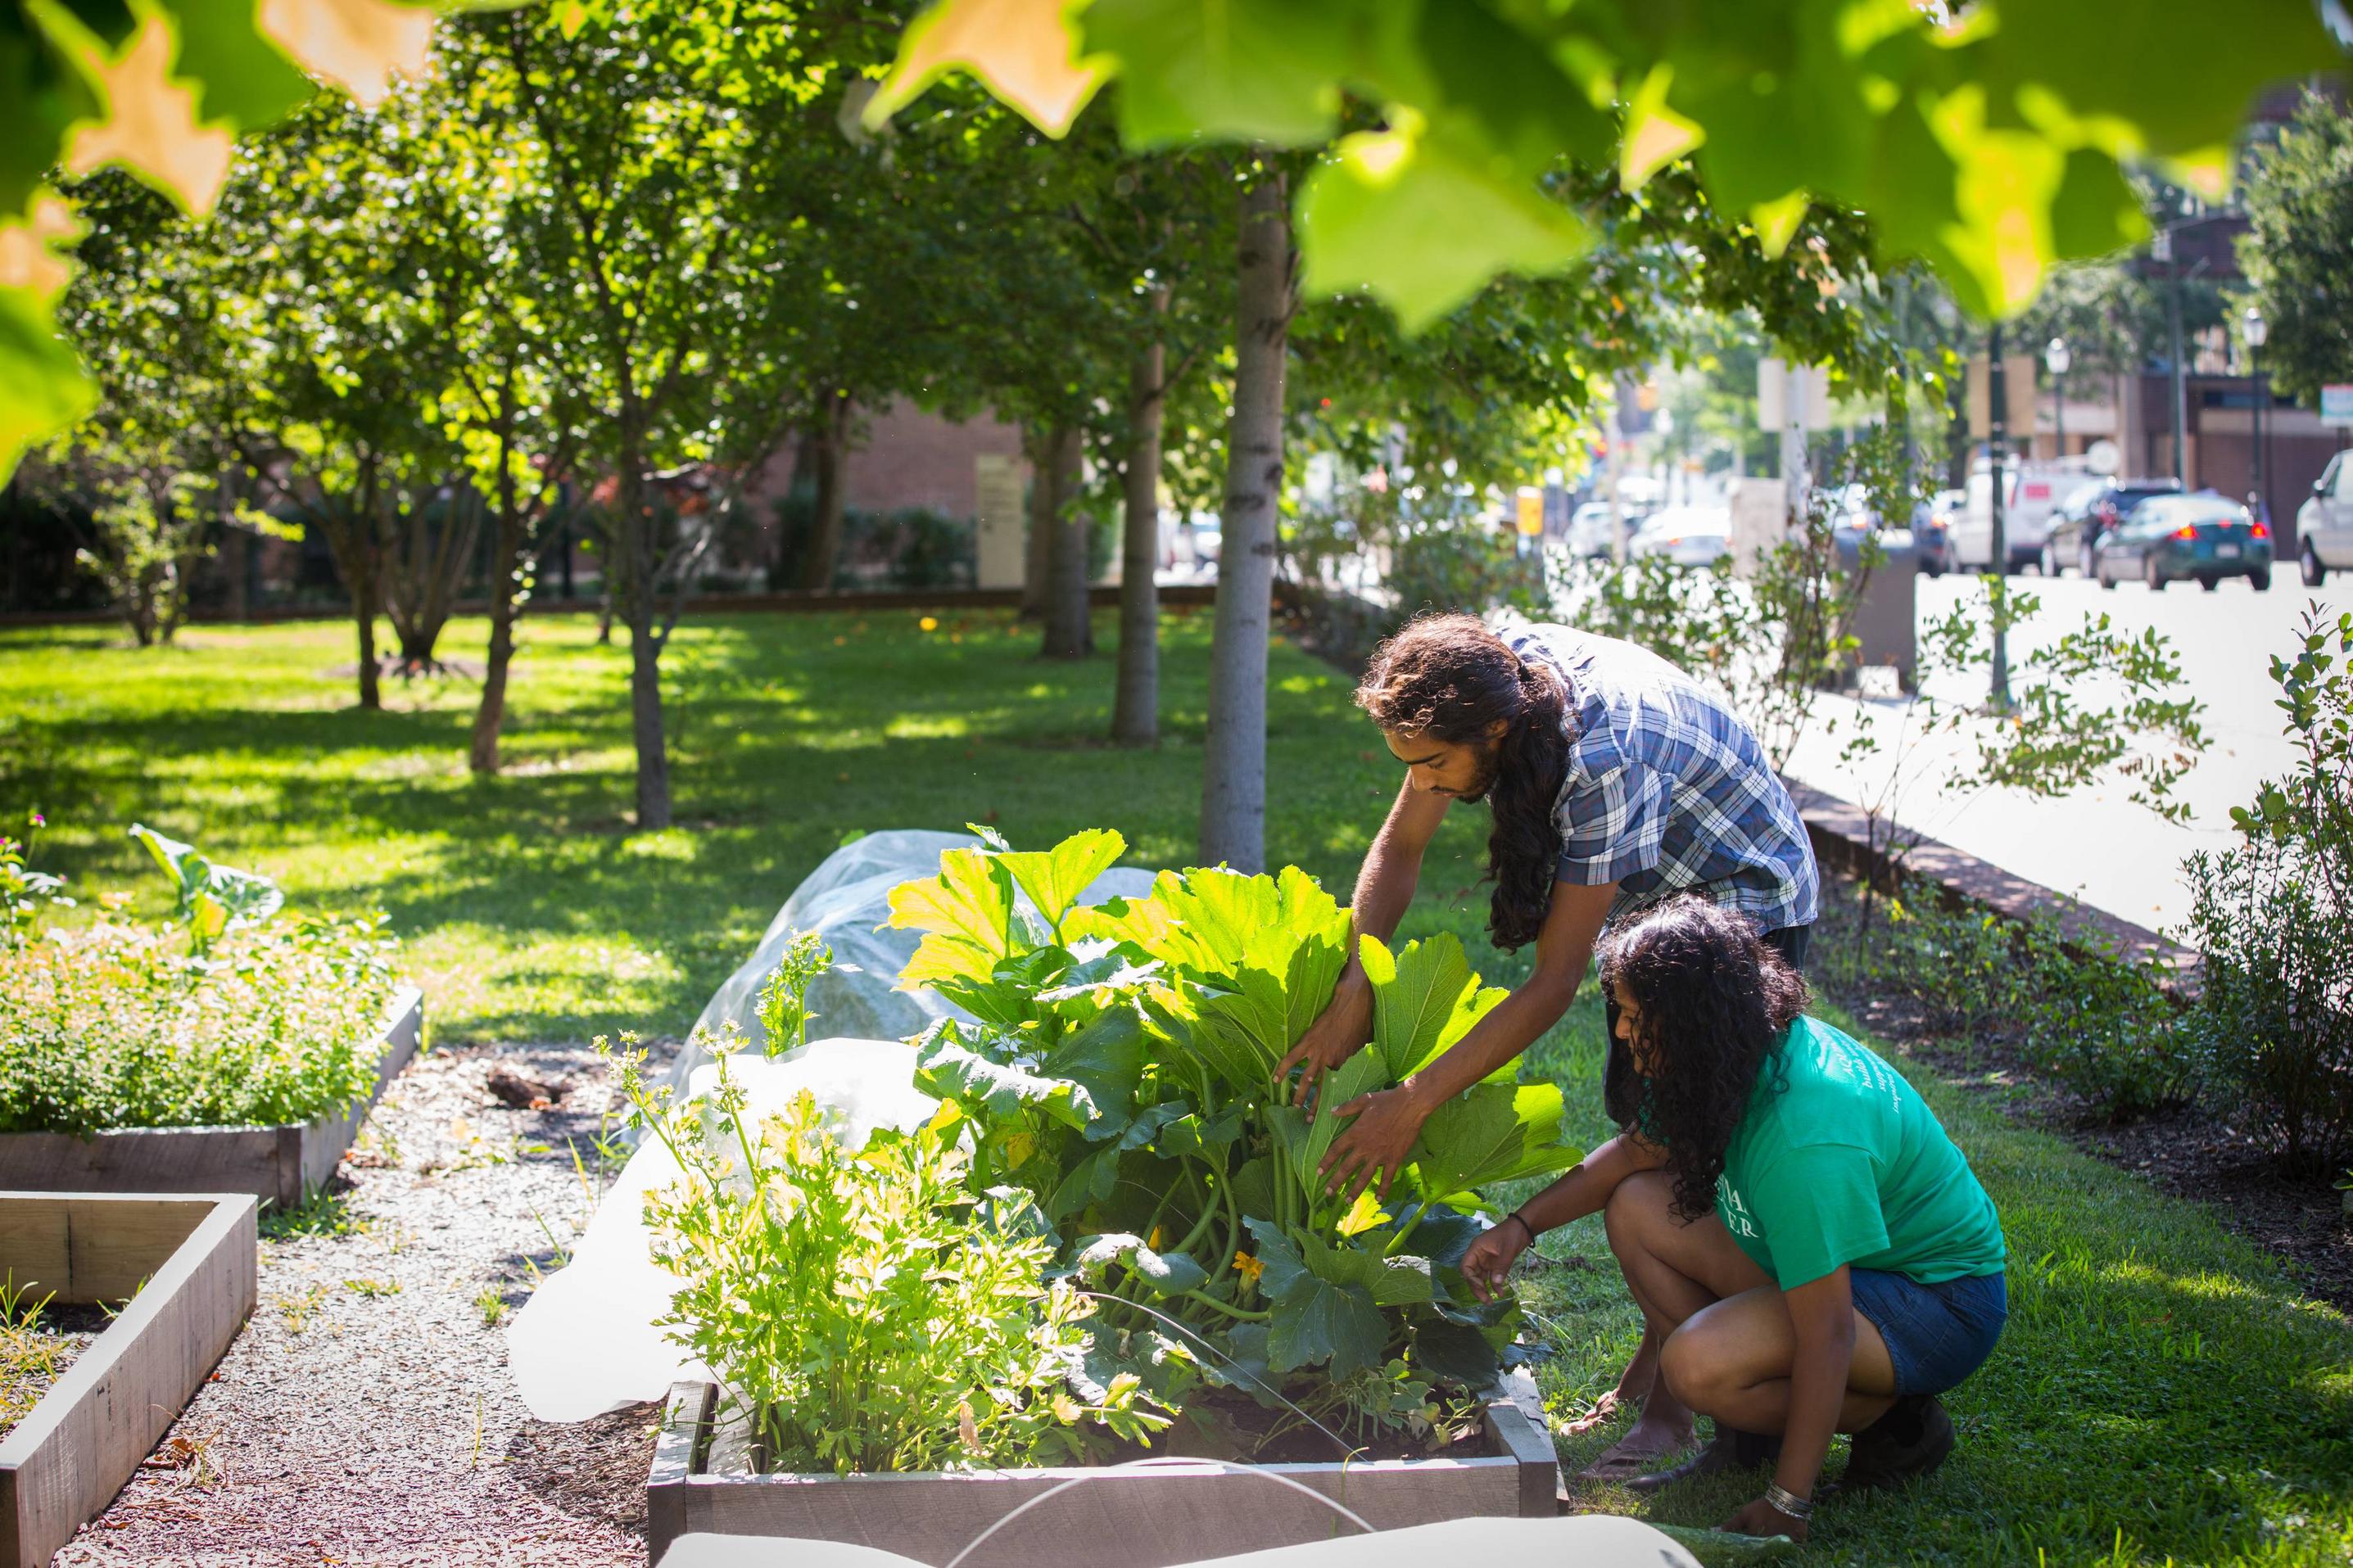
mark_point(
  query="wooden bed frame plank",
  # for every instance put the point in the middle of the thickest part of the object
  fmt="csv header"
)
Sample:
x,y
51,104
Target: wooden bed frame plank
x,y
1119,1519
65,1461
283,1163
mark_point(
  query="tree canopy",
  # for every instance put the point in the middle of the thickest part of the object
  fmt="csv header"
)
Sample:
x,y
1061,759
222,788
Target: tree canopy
x,y
1988,140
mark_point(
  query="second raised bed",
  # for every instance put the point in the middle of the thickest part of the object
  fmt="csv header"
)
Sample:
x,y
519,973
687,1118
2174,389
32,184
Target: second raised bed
x,y
282,1163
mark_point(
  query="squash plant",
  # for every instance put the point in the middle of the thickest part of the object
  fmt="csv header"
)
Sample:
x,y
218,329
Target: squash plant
x,y
1119,1065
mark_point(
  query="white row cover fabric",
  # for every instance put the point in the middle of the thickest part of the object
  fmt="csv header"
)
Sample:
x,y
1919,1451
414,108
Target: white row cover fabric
x,y
585,1342
1581,1540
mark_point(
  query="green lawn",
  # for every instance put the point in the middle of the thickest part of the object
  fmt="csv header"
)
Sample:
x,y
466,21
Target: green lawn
x,y
2163,1395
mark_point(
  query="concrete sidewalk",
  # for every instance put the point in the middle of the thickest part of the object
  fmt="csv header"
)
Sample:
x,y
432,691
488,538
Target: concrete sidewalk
x,y
2096,845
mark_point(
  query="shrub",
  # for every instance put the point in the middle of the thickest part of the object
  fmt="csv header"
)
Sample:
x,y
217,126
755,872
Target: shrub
x,y
1956,964
2084,1016
2273,917
120,1024
873,1312
2276,1012
2103,1025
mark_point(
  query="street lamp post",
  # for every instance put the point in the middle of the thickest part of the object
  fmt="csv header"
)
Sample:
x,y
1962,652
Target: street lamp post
x,y
2056,358
2257,332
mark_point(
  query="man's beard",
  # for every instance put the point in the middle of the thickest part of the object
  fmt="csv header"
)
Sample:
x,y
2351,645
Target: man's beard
x,y
1488,766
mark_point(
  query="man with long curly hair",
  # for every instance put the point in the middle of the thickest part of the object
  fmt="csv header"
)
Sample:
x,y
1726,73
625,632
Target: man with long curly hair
x,y
1811,1250
1615,780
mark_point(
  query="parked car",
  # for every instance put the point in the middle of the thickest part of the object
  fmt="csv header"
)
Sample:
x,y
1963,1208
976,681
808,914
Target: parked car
x,y
2029,491
2092,511
1687,535
1588,531
2204,536
2324,523
1931,530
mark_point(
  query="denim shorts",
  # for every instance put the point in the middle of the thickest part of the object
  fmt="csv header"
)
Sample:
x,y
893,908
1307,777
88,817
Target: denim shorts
x,y
1937,1334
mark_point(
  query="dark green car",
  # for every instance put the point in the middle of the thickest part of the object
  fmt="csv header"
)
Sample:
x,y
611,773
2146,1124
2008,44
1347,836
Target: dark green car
x,y
2207,537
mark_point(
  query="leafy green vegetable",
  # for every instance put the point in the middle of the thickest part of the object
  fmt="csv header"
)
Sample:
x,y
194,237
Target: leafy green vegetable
x,y
1122,1071
213,899
872,1310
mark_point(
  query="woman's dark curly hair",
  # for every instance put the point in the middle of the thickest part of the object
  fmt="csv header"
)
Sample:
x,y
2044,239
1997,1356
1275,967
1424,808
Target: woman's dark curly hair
x,y
1449,679
1712,999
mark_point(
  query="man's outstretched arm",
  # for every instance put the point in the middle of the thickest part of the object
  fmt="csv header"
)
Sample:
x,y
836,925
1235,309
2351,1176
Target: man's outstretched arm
x,y
1384,887
1374,1145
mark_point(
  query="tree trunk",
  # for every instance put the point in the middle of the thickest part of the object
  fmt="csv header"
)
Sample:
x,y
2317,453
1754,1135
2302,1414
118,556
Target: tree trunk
x,y
1070,631
1135,707
631,559
1233,785
832,438
513,544
364,611
482,757
646,715
1038,446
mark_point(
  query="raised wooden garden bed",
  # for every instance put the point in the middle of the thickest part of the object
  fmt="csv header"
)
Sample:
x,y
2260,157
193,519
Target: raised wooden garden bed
x,y
703,1481
187,1266
282,1163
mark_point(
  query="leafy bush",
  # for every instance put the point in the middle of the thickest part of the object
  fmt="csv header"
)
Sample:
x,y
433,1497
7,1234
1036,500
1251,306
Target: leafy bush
x,y
2274,918
2084,1016
125,1026
1956,964
2103,1025
873,1312
1123,1072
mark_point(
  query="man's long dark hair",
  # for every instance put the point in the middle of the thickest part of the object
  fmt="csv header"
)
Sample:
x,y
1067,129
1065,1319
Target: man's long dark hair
x,y
1449,678
1712,999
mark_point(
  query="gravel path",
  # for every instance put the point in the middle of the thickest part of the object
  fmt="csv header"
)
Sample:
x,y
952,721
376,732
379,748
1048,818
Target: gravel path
x,y
366,1415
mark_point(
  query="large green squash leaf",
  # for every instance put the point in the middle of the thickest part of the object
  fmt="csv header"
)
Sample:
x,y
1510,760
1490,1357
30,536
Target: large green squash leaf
x,y
967,913
1166,1273
1495,1132
1319,1321
1055,878
950,1066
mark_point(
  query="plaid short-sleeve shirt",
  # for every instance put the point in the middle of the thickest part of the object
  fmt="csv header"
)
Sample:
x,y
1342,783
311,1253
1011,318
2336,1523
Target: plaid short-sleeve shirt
x,y
1668,790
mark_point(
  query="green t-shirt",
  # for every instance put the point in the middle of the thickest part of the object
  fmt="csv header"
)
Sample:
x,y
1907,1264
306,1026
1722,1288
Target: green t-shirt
x,y
1839,1161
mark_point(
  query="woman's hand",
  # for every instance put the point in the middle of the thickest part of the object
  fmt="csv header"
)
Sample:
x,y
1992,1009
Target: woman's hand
x,y
1491,1257
1761,1518
1338,1033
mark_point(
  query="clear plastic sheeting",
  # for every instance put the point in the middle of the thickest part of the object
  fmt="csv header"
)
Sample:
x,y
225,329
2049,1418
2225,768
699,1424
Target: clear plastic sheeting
x,y
1583,1541
845,900
585,1342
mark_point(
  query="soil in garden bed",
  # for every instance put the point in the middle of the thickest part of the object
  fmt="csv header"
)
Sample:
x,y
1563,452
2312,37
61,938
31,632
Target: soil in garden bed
x,y
1228,1425
34,1355
2200,1152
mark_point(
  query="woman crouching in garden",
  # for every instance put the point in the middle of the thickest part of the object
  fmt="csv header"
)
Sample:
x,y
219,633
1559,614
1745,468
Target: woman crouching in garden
x,y
1809,1247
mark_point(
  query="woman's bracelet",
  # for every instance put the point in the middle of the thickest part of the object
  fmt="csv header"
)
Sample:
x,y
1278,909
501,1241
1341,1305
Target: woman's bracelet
x,y
1516,1214
1782,1498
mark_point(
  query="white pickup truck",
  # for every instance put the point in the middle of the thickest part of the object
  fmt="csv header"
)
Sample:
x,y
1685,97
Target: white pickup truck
x,y
2031,490
2323,524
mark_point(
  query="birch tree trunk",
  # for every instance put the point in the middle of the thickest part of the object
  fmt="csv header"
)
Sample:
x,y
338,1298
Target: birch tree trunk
x,y
1070,631
1233,785
1135,702
832,436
